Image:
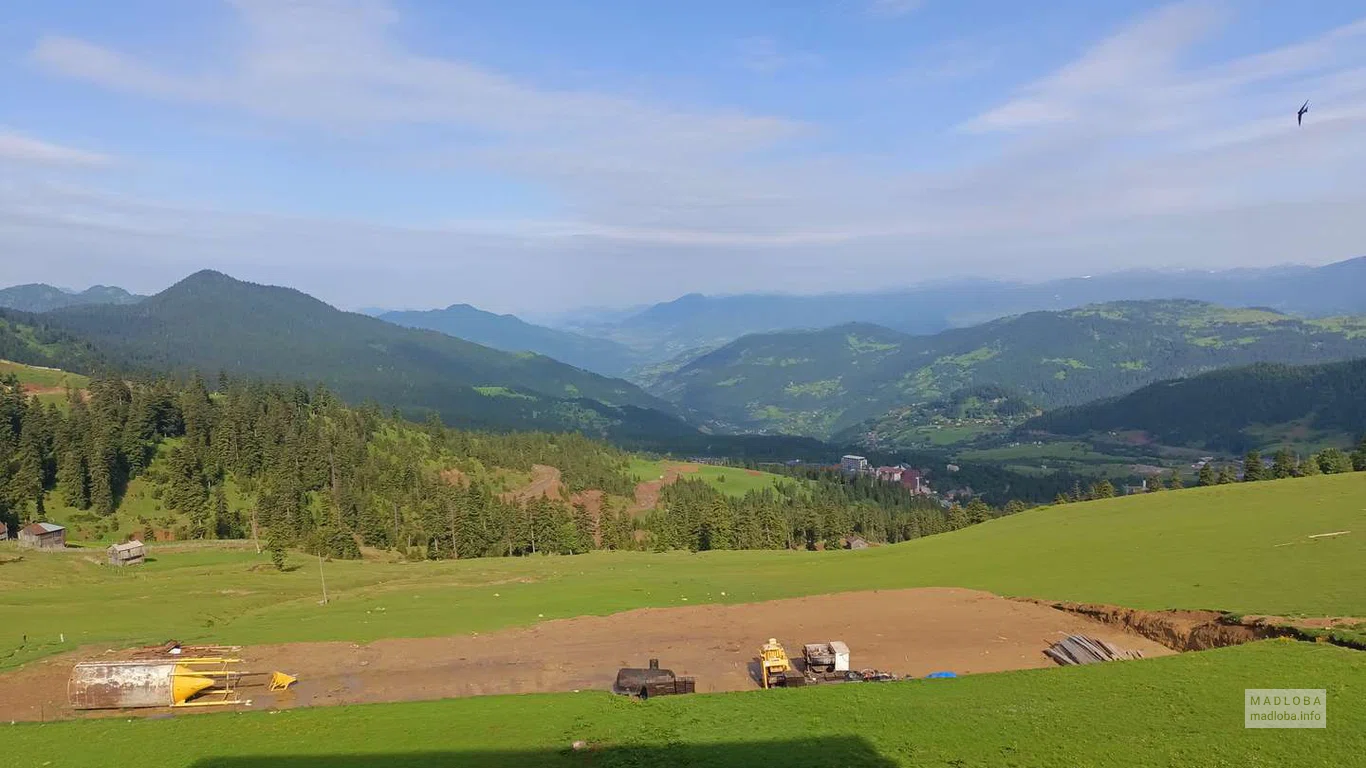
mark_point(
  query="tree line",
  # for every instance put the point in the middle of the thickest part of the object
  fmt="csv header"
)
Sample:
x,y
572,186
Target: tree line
x,y
1252,468
291,466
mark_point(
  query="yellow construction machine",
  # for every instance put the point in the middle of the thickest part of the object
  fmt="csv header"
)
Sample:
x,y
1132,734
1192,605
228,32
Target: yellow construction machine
x,y
775,668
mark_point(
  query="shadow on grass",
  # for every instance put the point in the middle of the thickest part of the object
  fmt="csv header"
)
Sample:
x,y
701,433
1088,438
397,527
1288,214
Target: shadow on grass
x,y
833,752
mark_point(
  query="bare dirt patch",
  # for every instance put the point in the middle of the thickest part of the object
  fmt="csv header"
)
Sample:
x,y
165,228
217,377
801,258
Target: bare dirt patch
x,y
545,481
453,476
1182,630
647,493
913,632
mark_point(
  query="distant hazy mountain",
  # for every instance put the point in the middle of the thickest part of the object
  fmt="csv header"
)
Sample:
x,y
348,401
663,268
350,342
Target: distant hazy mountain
x,y
845,378
212,322
39,297
511,334
1235,409
664,330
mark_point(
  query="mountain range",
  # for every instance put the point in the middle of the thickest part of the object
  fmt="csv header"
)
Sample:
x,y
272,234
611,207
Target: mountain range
x,y
40,297
211,322
844,381
510,333
696,321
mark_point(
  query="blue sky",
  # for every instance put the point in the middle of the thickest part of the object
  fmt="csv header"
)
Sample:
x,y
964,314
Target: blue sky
x,y
535,156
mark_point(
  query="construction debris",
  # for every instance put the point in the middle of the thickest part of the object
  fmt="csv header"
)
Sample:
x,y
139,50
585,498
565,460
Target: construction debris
x,y
151,682
1079,649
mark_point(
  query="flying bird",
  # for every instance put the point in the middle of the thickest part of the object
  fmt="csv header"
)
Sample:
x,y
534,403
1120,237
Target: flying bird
x,y
1299,116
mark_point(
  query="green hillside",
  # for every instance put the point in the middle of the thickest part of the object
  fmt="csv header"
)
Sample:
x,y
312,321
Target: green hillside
x,y
858,380
1101,715
511,334
1238,409
1243,548
210,322
32,340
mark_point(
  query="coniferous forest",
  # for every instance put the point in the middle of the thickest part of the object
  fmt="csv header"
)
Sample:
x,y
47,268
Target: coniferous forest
x,y
292,466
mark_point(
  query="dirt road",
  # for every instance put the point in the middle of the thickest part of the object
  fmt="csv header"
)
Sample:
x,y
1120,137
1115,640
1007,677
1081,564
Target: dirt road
x,y
912,632
647,493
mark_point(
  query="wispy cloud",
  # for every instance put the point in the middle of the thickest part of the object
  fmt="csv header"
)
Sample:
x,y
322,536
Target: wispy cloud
x,y
19,148
764,56
1139,152
890,8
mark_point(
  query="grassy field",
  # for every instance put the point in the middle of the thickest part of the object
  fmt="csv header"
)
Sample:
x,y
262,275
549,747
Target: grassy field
x,y
52,380
1176,711
729,480
1241,548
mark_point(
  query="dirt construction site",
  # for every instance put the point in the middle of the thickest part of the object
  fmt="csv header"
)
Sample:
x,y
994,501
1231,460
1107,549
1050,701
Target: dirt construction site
x,y
907,632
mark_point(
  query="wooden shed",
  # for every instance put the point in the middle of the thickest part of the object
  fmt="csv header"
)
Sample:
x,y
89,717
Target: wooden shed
x,y
42,536
128,553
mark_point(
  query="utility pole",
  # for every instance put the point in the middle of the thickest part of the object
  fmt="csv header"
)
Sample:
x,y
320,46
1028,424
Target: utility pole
x,y
321,577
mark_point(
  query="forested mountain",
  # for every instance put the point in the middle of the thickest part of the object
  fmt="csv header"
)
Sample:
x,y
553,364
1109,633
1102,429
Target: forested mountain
x,y
821,382
211,322
38,297
292,467
701,321
511,334
30,339
1236,409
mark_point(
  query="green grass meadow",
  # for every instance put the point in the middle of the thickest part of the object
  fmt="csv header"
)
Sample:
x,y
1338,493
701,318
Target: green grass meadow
x,y
1175,711
1243,548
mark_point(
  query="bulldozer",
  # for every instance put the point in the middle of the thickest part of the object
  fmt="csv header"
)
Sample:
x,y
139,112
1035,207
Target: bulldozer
x,y
775,668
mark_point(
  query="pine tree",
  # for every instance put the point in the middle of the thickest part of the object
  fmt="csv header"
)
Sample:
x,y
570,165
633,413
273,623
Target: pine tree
x,y
1103,489
978,511
1061,498
276,546
1207,476
1284,464
1174,480
1227,475
1015,506
1359,456
1252,467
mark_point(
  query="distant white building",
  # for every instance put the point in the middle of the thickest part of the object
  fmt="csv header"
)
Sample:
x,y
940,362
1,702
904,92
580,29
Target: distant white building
x,y
853,464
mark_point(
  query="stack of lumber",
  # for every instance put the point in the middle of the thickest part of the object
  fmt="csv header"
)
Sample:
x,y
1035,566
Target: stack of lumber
x,y
1079,649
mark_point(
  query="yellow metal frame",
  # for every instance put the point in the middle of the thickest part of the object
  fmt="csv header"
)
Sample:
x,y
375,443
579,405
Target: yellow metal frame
x,y
191,679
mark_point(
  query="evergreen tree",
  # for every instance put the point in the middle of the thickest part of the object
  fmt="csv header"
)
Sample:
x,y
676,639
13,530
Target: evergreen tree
x,y
1174,480
978,511
1283,465
1061,498
1252,467
1103,489
1359,456
1015,506
1227,475
1207,475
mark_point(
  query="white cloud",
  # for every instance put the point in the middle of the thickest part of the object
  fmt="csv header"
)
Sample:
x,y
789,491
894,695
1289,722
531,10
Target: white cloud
x,y
24,149
1131,155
